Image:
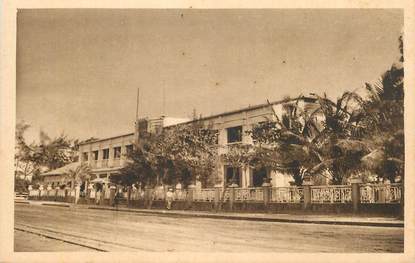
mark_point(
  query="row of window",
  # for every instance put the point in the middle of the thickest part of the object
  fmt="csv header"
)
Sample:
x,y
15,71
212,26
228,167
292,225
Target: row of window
x,y
106,153
234,135
258,176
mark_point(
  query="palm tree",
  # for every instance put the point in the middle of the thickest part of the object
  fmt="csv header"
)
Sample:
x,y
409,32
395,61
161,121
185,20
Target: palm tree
x,y
384,110
79,174
342,137
288,144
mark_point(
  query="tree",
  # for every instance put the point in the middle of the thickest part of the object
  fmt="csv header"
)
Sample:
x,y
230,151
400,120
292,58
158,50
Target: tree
x,y
341,139
237,156
288,144
53,153
181,153
79,174
385,116
48,154
26,165
140,167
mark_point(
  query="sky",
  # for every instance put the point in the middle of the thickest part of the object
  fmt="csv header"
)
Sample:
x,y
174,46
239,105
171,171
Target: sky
x,y
78,70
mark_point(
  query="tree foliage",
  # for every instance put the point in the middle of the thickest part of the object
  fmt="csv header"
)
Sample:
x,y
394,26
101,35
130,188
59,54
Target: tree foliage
x,y
48,154
181,153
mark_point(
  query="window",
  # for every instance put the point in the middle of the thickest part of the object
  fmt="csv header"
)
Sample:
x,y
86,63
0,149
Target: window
x,y
105,154
258,176
103,176
129,149
117,152
95,155
229,172
85,156
234,134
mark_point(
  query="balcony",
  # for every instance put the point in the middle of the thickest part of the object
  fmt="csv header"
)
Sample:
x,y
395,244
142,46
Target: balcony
x,y
93,163
104,163
116,162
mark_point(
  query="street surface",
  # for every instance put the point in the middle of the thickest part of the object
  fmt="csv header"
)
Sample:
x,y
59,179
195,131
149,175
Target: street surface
x,y
121,231
25,242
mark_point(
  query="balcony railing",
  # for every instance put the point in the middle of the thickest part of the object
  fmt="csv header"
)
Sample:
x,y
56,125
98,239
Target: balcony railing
x,y
116,162
93,163
104,163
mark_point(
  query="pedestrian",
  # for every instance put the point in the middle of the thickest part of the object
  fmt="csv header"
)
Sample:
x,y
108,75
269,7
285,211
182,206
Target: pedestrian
x,y
169,198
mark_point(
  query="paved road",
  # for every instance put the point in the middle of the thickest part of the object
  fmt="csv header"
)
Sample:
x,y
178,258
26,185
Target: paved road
x,y
145,232
25,242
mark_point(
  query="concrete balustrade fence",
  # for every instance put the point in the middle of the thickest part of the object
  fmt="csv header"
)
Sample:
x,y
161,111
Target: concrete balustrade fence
x,y
357,197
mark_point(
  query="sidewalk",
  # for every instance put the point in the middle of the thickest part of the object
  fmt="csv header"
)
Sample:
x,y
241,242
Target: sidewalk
x,y
282,218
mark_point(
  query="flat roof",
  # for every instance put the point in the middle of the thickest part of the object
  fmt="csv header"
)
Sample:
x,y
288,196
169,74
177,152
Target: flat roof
x,y
108,138
254,107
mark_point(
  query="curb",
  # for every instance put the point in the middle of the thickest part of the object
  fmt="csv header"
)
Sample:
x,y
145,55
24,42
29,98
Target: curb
x,y
230,217
250,218
60,205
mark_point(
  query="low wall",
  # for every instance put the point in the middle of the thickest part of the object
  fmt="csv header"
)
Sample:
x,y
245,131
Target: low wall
x,y
259,207
264,200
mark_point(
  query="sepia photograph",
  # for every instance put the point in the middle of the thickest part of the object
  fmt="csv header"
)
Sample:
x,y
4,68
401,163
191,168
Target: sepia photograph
x,y
189,130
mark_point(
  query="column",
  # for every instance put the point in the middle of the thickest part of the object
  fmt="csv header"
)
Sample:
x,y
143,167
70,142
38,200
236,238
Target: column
x,y
245,176
111,154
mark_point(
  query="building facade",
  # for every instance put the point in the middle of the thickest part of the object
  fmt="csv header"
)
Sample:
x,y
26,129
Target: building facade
x,y
107,156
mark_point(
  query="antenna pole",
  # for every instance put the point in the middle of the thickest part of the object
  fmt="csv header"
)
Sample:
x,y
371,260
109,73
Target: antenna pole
x,y
164,99
138,100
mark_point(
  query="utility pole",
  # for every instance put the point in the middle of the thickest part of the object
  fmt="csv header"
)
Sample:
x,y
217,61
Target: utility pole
x,y
164,100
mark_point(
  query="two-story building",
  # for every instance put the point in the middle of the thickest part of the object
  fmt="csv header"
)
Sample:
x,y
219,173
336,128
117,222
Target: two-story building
x,y
106,156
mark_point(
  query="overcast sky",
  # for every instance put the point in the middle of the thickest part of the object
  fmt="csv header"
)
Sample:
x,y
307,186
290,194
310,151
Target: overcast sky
x,y
78,70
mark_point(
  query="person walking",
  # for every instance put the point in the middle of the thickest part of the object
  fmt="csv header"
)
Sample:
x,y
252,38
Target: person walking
x,y
169,198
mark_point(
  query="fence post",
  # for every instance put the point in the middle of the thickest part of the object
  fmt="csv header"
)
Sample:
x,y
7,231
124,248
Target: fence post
x,y
102,196
218,188
77,193
307,183
356,193
112,195
266,189
232,195
66,195
381,194
128,195
88,195
56,194
147,197
191,189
